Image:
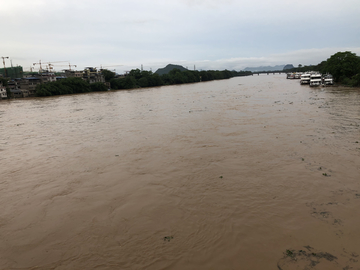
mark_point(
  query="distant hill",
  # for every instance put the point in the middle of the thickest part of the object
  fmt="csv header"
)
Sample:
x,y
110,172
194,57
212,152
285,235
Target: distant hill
x,y
288,66
265,68
168,68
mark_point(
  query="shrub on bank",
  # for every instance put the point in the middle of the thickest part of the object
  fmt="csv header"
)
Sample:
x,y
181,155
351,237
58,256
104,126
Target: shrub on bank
x,y
137,78
68,86
97,87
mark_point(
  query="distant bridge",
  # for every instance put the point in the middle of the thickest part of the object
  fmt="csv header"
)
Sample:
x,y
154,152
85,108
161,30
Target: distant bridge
x,y
268,72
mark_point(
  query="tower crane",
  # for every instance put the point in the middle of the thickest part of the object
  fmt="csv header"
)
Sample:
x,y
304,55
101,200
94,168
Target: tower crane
x,y
5,57
66,66
71,66
50,64
40,70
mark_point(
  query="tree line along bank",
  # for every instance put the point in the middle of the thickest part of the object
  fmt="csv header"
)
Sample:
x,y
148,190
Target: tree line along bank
x,y
134,79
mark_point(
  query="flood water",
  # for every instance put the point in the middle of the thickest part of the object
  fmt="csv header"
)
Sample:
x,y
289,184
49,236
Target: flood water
x,y
249,173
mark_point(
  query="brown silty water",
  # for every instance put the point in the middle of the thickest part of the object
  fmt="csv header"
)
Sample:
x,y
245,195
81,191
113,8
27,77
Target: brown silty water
x,y
247,173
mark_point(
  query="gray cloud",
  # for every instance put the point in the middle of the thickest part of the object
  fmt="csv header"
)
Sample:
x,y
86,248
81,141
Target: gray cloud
x,y
211,34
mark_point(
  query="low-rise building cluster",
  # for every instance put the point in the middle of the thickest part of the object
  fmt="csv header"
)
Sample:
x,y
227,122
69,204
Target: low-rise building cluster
x,y
26,86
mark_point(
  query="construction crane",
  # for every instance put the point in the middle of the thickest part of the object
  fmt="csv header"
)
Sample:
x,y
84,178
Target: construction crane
x,y
49,64
40,69
69,65
5,57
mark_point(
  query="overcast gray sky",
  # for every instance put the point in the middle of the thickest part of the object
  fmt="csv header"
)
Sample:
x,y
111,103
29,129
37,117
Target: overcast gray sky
x,y
211,34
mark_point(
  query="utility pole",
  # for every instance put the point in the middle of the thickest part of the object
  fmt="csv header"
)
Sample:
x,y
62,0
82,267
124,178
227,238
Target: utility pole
x,y
5,57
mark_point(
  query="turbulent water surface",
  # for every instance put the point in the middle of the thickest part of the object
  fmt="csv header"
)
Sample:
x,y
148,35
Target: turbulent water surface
x,y
247,173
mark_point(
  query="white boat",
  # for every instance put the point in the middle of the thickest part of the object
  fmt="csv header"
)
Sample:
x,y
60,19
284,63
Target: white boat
x,y
315,79
328,79
305,78
290,76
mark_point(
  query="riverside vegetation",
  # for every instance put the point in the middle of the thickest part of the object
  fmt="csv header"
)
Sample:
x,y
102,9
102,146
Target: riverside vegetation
x,y
135,79
68,86
344,66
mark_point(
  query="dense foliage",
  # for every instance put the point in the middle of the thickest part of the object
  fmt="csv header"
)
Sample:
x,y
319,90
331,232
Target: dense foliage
x,y
108,75
344,66
68,86
3,81
137,78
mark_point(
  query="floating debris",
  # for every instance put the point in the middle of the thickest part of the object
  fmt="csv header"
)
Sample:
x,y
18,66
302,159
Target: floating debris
x,y
168,238
296,259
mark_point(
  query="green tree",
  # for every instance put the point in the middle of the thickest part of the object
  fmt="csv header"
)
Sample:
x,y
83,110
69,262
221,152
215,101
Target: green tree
x,y
129,82
167,79
4,82
143,82
63,87
99,86
108,75
136,73
155,80
342,65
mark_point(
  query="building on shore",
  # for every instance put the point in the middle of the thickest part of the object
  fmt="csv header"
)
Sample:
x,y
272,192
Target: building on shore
x,y
29,83
26,86
73,73
3,93
12,72
15,90
92,75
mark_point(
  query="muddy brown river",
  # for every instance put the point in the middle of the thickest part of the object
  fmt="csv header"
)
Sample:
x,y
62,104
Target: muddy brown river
x,y
248,173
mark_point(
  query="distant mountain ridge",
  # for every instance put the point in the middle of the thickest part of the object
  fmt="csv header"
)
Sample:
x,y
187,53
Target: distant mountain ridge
x,y
288,66
269,68
168,68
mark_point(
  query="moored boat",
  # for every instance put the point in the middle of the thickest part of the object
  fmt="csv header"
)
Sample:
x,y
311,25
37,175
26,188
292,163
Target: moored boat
x,y
315,79
290,76
328,80
305,78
